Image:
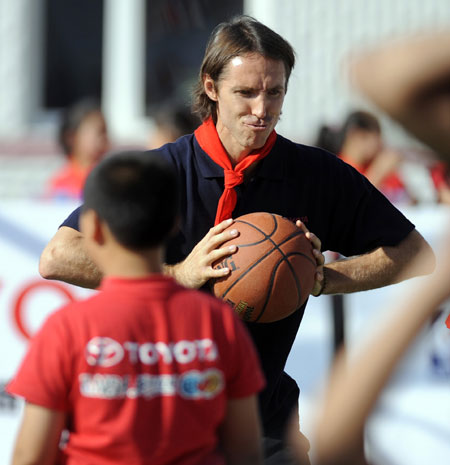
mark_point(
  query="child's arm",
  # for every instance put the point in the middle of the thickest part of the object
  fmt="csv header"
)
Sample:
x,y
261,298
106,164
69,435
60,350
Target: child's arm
x,y
38,437
240,433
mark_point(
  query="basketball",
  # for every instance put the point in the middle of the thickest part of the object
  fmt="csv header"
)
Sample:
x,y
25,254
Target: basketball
x,y
272,271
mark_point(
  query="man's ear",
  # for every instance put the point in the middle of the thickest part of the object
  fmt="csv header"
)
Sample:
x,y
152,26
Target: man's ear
x,y
210,87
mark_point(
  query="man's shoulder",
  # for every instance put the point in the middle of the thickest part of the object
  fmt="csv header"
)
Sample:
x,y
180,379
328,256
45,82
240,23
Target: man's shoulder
x,y
297,147
302,152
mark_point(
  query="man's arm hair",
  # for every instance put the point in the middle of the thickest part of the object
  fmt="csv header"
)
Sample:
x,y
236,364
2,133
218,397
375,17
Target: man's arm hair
x,y
381,267
38,437
65,259
410,80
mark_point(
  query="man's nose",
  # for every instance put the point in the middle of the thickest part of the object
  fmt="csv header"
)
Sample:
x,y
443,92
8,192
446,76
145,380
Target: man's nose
x,y
260,106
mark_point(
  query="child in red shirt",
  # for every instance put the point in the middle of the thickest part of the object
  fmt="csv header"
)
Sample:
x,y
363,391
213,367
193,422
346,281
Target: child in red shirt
x,y
145,371
83,136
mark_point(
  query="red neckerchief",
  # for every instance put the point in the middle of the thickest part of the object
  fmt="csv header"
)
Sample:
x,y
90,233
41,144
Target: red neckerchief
x,y
208,139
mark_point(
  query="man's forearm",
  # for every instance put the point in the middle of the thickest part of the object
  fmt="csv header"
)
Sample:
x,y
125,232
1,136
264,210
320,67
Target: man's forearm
x,y
381,267
65,259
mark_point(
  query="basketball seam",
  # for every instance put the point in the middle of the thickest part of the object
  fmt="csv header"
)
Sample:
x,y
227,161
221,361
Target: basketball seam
x,y
297,282
262,232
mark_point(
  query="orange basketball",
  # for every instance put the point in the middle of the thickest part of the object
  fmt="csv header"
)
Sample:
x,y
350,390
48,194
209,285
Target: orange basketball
x,y
272,272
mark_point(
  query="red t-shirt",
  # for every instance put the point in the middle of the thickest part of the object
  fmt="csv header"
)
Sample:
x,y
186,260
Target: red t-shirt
x,y
68,182
144,368
440,175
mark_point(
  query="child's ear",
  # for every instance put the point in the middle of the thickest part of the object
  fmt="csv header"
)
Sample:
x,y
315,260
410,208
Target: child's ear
x,y
91,227
98,231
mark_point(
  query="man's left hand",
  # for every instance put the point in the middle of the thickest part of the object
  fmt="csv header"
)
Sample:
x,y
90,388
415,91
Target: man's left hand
x,y
320,259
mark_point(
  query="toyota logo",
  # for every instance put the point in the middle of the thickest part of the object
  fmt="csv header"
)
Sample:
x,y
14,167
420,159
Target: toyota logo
x,y
104,352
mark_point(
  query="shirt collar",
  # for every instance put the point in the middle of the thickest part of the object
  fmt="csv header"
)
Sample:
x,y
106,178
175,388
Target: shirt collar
x,y
271,167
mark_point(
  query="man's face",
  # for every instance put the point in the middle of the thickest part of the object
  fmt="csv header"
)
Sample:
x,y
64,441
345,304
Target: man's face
x,y
249,96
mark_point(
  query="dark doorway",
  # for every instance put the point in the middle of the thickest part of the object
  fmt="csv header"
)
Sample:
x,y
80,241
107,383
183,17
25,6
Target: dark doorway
x,y
73,51
177,32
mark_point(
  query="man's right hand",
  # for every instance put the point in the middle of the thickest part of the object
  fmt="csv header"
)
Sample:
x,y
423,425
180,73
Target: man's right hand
x,y
196,269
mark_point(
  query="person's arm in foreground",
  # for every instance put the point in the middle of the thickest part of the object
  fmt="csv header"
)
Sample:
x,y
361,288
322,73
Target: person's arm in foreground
x,y
240,433
38,437
409,80
359,381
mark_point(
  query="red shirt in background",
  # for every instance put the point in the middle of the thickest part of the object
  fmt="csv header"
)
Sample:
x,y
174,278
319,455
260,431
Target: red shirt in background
x,y
439,175
68,182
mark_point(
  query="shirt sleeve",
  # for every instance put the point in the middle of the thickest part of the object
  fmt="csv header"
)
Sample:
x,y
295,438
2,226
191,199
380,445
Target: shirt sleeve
x,y
73,220
244,376
43,377
351,216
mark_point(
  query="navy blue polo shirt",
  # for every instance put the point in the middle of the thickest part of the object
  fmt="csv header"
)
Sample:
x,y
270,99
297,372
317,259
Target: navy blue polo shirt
x,y
338,204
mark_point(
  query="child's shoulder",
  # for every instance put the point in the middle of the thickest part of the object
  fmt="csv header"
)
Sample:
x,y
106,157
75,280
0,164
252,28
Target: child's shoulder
x,y
202,297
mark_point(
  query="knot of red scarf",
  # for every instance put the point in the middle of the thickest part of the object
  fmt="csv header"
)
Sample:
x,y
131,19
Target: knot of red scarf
x,y
232,178
209,141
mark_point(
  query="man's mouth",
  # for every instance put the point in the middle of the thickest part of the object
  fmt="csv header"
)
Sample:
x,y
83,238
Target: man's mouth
x,y
257,126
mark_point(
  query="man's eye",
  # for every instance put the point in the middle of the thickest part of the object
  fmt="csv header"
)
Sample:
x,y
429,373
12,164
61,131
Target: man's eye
x,y
275,92
245,93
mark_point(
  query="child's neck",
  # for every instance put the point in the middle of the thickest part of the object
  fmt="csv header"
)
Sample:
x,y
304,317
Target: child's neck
x,y
128,264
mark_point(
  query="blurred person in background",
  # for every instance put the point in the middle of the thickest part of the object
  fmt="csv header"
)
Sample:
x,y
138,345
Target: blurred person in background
x,y
172,120
440,175
409,79
83,136
359,142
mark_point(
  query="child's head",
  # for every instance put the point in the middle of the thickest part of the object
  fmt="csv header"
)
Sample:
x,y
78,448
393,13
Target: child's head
x,y
172,120
361,135
135,194
83,133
